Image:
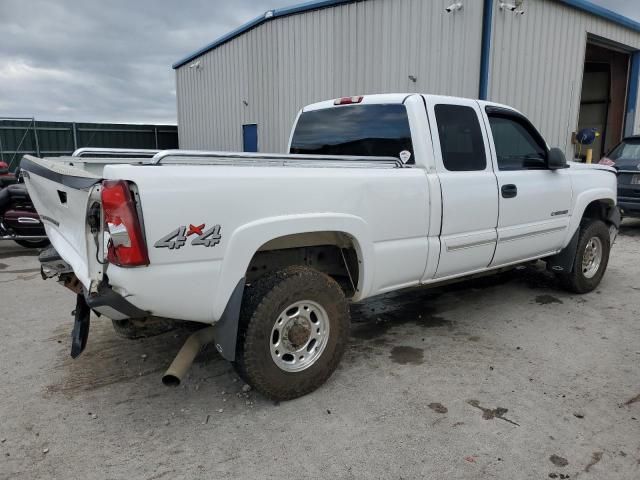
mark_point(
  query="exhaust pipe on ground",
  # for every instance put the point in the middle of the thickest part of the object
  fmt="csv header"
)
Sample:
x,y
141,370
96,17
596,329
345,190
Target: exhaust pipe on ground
x,y
185,357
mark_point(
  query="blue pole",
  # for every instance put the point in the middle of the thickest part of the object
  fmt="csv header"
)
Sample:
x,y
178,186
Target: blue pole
x,y
632,97
485,53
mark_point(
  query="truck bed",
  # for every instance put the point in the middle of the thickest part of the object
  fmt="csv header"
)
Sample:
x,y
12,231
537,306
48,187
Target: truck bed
x,y
281,193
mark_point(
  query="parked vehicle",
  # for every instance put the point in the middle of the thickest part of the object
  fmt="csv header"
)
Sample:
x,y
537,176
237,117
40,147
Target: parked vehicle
x,y
625,158
6,176
270,248
19,220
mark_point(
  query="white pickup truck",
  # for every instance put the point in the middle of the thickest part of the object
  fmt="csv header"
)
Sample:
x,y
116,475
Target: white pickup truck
x,y
378,193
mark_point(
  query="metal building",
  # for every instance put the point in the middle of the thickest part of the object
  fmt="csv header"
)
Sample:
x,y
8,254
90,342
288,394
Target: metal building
x,y
566,64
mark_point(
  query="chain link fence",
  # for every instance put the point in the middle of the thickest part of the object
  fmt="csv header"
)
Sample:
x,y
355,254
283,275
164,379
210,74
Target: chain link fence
x,y
20,136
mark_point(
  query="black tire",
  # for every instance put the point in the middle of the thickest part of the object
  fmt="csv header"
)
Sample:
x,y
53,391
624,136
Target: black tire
x,y
134,329
262,305
33,243
576,281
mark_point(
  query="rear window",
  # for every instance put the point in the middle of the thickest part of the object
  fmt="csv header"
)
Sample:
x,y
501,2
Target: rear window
x,y
363,130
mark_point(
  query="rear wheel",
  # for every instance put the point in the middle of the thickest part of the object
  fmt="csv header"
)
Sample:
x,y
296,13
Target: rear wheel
x,y
294,326
33,243
592,257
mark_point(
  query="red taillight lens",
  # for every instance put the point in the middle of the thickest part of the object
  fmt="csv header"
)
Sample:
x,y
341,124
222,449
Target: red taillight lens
x,y
348,100
607,161
127,246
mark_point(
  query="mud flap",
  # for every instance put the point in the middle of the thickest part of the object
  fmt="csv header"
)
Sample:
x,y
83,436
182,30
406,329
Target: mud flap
x,y
563,261
225,332
614,218
80,331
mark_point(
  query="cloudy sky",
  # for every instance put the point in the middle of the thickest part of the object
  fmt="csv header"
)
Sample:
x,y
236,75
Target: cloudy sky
x,y
110,61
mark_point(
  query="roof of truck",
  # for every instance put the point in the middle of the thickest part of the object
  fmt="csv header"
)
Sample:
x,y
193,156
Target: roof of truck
x,y
583,5
396,98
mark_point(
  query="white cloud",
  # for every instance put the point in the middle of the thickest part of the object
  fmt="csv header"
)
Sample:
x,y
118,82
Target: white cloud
x,y
104,61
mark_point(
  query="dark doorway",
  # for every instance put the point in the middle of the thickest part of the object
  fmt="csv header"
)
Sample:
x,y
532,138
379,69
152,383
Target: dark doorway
x,y
604,95
250,137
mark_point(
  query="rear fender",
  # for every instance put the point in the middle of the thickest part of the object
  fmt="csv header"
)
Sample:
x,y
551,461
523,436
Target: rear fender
x,y
246,240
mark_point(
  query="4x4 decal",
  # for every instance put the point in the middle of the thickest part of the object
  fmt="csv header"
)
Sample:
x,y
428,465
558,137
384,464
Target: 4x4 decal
x,y
178,237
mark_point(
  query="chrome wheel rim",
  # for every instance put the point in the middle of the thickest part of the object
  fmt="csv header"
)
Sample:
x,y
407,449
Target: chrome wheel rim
x,y
299,336
592,257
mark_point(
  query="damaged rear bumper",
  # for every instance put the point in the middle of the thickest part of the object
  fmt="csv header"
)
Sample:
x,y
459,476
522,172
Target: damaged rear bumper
x,y
108,302
105,301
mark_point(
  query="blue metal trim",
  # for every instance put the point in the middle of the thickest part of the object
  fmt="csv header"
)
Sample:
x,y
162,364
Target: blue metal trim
x,y
632,99
485,53
605,13
269,15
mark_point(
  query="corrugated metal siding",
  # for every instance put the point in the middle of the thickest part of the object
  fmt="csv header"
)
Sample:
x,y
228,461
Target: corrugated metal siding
x,y
537,62
363,47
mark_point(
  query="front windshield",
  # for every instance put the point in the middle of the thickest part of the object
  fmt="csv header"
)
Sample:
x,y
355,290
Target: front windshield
x,y
627,150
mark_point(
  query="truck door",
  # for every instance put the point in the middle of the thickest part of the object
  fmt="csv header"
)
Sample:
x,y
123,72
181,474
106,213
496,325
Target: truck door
x,y
468,185
535,202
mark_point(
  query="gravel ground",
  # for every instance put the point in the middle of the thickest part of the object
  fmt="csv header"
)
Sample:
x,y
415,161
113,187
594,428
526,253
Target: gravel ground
x,y
505,377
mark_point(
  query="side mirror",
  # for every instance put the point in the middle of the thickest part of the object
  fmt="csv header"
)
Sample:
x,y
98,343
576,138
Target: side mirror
x,y
556,159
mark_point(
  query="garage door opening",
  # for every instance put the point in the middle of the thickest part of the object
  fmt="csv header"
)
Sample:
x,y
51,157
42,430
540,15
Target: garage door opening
x,y
604,97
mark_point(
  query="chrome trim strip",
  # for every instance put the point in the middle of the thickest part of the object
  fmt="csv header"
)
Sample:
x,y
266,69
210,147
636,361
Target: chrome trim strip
x,y
200,157
114,152
478,243
28,220
532,234
236,158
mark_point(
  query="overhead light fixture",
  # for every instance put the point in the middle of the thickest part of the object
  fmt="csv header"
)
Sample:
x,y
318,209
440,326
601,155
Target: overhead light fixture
x,y
516,7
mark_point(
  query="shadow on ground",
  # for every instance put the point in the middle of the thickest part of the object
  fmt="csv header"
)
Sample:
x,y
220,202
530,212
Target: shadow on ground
x,y
110,359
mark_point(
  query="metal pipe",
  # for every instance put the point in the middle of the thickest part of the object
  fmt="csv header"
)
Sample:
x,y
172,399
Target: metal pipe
x,y
35,136
23,237
185,357
26,132
75,136
206,156
114,152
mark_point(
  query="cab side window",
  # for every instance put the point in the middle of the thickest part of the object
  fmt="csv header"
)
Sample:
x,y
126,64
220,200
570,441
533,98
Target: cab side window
x,y
460,138
518,145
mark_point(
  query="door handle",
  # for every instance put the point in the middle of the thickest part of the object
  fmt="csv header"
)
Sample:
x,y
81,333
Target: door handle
x,y
509,190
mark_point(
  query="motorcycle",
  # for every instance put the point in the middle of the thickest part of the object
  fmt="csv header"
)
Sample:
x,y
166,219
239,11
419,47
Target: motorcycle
x,y
6,176
19,220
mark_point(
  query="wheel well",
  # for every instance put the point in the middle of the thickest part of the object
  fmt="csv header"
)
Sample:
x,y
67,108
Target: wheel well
x,y
598,210
333,253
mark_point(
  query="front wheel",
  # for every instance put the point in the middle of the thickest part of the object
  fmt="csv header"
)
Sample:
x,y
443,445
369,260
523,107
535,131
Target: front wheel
x,y
294,326
592,257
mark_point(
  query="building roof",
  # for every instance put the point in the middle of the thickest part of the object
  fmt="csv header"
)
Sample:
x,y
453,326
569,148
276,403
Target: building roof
x,y
583,5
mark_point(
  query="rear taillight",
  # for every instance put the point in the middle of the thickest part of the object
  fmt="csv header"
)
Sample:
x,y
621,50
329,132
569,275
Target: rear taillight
x,y
127,246
348,100
607,161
